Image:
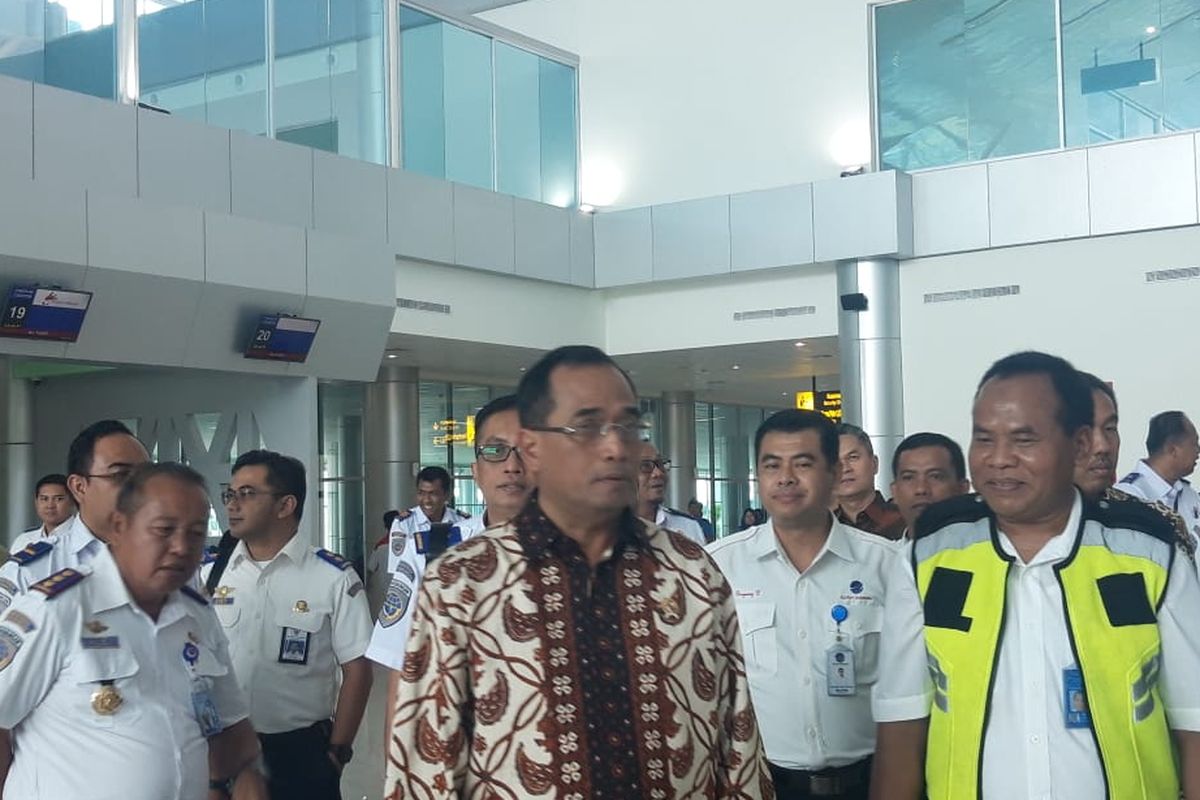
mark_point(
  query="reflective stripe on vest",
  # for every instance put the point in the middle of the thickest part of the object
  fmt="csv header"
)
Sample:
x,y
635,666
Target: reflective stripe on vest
x,y
1112,585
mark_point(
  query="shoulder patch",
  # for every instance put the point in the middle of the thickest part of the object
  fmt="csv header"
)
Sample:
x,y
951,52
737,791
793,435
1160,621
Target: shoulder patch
x,y
964,508
1119,511
333,558
1130,478
59,582
209,557
193,594
32,552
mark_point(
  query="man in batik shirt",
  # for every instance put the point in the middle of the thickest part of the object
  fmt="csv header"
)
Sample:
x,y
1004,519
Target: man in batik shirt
x,y
575,652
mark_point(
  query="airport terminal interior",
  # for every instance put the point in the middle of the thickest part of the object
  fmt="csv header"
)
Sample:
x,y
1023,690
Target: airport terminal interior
x,y
337,228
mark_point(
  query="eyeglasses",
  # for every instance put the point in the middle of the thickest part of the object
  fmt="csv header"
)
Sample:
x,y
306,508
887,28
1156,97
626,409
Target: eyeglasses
x,y
119,476
590,432
496,453
647,466
246,493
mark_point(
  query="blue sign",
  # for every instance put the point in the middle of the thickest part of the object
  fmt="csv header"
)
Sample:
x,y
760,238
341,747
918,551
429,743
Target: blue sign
x,y
52,314
282,338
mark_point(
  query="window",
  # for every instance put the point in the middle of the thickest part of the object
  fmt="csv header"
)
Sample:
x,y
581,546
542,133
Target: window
x,y
70,44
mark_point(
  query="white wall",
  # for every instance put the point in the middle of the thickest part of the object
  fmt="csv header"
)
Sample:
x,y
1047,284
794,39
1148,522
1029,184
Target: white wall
x,y
1086,300
691,98
280,410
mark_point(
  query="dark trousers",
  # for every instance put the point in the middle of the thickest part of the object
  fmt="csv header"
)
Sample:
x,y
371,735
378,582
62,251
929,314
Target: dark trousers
x,y
298,764
853,782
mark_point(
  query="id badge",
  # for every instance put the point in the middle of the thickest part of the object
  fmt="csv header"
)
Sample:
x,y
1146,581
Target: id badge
x,y
205,709
293,646
1075,709
839,671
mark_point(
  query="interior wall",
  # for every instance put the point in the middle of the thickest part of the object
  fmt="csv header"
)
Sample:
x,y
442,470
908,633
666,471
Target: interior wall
x,y
693,98
279,412
1086,300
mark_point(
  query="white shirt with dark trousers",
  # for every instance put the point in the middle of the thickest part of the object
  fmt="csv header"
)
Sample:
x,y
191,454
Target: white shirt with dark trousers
x,y
1028,752
809,719
106,703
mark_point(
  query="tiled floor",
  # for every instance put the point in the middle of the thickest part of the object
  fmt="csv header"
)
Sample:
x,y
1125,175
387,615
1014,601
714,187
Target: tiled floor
x,y
363,778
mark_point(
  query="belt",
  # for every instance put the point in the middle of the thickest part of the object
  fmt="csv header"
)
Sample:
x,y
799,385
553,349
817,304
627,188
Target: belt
x,y
828,782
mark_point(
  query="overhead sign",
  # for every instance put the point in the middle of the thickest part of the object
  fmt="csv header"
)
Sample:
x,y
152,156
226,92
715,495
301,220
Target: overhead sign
x,y
450,433
53,314
282,338
828,403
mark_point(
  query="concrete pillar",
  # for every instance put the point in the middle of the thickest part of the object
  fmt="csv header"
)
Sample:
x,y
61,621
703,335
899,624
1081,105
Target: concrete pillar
x,y
869,348
16,453
679,445
392,438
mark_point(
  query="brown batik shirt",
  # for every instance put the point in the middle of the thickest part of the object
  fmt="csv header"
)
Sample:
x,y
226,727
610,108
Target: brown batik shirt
x,y
531,674
881,517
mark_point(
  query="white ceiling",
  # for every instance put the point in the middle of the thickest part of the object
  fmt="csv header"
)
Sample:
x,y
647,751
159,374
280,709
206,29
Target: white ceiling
x,y
768,373
463,8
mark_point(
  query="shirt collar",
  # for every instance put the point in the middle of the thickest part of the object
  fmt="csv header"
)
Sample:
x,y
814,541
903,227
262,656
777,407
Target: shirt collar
x,y
78,536
295,550
108,589
1059,546
765,542
1160,485
542,540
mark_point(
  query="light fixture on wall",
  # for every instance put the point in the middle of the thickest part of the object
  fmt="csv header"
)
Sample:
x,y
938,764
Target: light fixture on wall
x,y
850,146
601,182
587,208
1151,30
801,344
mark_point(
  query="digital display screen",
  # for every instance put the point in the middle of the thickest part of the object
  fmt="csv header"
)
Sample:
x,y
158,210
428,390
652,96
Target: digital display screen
x,y
282,338
54,315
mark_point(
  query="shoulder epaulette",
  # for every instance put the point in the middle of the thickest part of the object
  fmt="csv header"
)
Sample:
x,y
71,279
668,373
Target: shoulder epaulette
x,y
462,514
1122,511
333,558
192,593
209,557
964,508
676,512
1130,478
58,583
31,553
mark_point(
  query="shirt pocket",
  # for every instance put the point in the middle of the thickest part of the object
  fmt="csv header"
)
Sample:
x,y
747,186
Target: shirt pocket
x,y
861,630
106,694
757,621
299,632
228,613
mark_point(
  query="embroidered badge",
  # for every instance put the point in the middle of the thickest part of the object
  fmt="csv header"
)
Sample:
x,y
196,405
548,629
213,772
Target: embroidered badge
x,y
334,559
59,582
406,569
19,621
395,603
355,589
99,642
399,540
31,553
10,643
222,596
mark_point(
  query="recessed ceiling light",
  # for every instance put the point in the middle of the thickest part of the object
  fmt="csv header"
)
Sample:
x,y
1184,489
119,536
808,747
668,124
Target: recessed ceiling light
x,y
522,369
1151,29
801,344
392,355
736,366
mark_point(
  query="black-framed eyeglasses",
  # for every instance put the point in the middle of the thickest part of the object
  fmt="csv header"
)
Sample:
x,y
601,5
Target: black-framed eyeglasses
x,y
590,432
117,476
245,493
495,452
647,465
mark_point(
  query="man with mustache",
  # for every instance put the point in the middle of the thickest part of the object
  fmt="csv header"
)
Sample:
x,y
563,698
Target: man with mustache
x,y
1097,474
653,474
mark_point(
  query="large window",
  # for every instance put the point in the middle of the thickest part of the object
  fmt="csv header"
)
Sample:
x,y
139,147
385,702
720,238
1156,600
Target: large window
x,y
965,80
482,112
725,481
447,419
70,44
340,410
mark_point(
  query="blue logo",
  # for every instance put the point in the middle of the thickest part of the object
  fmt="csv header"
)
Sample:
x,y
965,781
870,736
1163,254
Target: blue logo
x,y
856,587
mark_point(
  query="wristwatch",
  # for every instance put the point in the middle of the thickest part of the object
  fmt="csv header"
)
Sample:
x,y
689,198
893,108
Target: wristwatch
x,y
342,752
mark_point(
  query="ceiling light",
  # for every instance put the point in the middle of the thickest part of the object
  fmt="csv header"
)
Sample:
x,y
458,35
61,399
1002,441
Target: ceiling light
x,y
392,355
736,366
1151,29
522,369
800,344
587,208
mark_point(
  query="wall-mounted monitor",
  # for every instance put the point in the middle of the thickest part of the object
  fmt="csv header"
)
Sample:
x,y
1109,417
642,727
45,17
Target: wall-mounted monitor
x,y
54,315
282,338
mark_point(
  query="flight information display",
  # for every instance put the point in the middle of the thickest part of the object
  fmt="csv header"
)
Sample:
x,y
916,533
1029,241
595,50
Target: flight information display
x,y
282,338
54,315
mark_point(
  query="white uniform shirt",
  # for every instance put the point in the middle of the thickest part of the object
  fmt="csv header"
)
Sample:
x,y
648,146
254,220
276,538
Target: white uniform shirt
x,y
57,652
680,523
1146,484
32,535
787,631
73,545
405,565
1028,750
291,622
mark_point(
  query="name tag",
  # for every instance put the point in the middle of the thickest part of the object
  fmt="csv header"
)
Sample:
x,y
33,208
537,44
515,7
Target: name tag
x,y
205,709
99,642
1075,710
839,671
293,648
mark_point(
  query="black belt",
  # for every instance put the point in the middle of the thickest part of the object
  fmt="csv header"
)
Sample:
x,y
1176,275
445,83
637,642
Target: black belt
x,y
828,782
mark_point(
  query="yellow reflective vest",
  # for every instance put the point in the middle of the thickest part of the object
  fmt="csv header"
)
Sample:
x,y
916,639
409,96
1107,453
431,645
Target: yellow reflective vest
x,y
1113,584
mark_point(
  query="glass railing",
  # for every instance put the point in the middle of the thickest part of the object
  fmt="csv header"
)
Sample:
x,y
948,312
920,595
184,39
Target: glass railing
x,y
965,80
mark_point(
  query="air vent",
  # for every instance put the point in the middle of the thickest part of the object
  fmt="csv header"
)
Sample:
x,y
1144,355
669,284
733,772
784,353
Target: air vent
x,y
972,294
1182,274
422,305
772,313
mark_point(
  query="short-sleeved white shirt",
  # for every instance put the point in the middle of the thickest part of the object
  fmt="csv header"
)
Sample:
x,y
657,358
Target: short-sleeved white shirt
x,y
57,652
1028,750
33,534
680,523
405,565
788,629
291,623
73,545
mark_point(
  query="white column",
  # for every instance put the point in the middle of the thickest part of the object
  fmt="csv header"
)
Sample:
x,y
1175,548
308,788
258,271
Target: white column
x,y
392,439
679,445
16,453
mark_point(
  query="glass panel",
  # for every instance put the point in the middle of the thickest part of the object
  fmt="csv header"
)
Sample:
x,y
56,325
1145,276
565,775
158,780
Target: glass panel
x,y
704,459
518,114
962,80
205,60
434,400
329,76
467,88
70,44
423,115
558,136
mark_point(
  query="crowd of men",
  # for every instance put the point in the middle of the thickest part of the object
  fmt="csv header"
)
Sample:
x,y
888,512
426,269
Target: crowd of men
x,y
578,639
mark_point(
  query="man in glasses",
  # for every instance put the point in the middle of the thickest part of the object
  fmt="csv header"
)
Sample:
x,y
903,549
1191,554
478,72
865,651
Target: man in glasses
x,y
498,469
653,473
297,621
576,650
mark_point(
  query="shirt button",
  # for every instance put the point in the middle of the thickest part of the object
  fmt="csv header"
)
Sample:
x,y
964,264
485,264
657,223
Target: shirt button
x,y
803,634
1035,739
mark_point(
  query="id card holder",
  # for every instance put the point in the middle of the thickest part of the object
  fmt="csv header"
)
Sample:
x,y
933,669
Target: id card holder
x,y
839,671
205,709
1075,708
